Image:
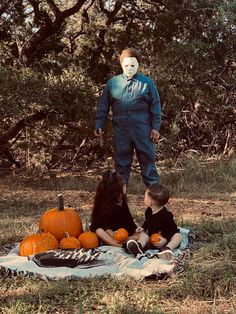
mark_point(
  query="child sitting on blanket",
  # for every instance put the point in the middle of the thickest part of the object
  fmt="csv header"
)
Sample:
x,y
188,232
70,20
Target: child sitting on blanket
x,y
158,219
111,212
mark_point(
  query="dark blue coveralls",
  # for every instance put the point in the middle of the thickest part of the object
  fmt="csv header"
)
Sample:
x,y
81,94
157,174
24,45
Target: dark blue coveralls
x,y
136,109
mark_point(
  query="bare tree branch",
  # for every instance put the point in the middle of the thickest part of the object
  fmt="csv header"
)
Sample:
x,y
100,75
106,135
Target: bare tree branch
x,y
73,9
14,133
84,22
54,7
100,40
164,3
110,14
47,26
29,120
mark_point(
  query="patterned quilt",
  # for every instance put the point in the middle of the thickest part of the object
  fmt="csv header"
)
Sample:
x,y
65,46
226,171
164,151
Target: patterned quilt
x,y
103,261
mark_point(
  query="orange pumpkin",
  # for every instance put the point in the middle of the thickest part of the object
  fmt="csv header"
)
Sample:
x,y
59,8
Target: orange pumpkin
x,y
121,234
59,220
155,237
37,243
88,240
69,242
50,240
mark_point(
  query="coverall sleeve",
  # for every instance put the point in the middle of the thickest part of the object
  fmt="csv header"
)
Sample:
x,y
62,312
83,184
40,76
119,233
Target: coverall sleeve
x,y
103,108
155,106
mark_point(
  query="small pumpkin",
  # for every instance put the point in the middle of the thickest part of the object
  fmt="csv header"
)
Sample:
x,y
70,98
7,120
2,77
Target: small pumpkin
x,y
69,242
155,237
50,240
121,234
37,243
88,240
59,220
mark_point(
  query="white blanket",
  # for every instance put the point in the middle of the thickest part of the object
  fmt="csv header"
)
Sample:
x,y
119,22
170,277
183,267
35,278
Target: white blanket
x,y
109,261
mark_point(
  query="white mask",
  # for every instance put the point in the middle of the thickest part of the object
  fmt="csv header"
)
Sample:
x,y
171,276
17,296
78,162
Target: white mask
x,y
130,66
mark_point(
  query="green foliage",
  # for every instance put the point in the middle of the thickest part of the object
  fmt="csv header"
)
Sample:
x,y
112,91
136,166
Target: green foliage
x,y
25,91
57,57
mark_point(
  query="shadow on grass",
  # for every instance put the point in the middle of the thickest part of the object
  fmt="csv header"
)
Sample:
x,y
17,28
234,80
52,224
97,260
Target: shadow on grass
x,y
12,207
195,178
70,297
78,182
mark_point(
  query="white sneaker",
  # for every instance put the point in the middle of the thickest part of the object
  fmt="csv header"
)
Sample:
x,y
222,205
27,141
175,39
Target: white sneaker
x,y
134,247
166,254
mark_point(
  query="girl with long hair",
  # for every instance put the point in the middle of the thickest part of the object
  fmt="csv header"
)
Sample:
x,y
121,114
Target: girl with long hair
x,y
111,211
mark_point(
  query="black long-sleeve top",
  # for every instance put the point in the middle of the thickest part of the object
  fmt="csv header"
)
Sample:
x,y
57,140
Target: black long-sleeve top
x,y
162,221
120,218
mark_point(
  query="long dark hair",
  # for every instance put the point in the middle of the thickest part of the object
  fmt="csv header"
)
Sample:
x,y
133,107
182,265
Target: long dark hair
x,y
109,193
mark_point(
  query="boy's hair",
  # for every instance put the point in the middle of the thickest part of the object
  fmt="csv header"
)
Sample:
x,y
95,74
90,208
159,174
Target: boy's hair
x,y
159,194
130,52
109,193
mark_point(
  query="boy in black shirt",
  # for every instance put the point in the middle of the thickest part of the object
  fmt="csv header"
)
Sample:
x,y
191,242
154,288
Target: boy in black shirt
x,y
158,220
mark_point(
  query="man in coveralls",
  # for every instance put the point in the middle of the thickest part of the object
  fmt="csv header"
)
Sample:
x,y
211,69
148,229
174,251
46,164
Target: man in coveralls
x,y
135,104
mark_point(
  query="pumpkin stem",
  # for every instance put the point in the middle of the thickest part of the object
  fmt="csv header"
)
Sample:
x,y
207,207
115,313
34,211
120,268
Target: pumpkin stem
x,y
86,224
60,202
67,234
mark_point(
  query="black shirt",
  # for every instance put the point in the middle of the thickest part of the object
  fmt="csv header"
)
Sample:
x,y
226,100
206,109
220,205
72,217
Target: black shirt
x,y
120,218
162,221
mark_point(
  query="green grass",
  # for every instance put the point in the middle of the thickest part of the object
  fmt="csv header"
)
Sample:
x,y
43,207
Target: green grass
x,y
208,284
202,178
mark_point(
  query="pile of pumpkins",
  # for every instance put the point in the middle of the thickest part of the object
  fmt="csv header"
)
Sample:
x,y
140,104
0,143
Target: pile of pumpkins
x,y
62,228
59,228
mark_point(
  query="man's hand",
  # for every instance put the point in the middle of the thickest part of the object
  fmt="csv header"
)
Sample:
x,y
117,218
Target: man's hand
x,y
155,135
98,132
